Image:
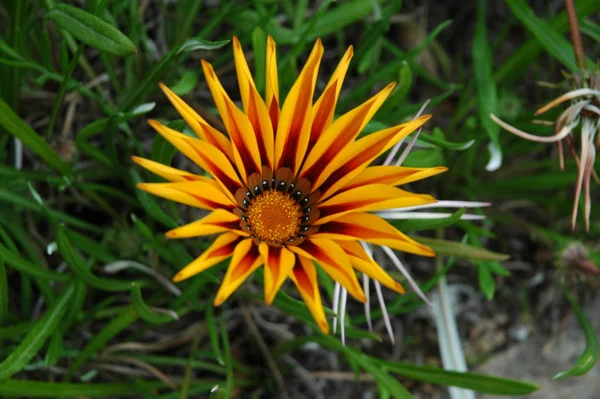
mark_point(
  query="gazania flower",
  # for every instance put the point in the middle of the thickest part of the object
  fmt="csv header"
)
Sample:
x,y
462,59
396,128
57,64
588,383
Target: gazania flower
x,y
288,185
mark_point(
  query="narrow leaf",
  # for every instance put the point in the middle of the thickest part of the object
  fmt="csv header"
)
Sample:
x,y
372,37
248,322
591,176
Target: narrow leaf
x,y
35,338
143,310
446,247
31,269
477,382
590,354
486,87
121,321
75,262
91,30
552,41
14,125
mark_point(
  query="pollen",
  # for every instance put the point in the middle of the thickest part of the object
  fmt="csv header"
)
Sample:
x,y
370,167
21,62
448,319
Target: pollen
x,y
274,217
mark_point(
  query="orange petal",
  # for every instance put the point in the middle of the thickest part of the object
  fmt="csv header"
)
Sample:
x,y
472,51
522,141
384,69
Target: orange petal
x,y
244,77
198,124
362,152
272,83
243,137
200,194
205,155
372,197
245,260
293,130
220,249
330,147
279,262
362,262
392,175
254,106
333,260
218,221
324,108
169,173
261,122
373,229
304,275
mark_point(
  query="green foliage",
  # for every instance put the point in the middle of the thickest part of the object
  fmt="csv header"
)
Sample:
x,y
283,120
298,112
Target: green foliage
x,y
77,84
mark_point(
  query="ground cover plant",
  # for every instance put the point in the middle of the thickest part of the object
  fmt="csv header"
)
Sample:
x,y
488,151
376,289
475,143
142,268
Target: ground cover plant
x,y
386,131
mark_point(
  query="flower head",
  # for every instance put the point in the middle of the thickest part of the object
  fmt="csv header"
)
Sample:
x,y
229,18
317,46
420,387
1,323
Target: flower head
x,y
583,111
289,185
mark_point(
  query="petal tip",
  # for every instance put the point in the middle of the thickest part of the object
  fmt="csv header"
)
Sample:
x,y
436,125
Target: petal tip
x,y
399,288
154,123
324,326
219,299
179,277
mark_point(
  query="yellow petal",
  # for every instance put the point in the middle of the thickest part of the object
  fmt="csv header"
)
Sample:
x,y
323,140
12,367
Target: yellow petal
x,y
272,82
245,260
392,175
198,124
293,130
205,155
199,194
304,275
333,260
279,262
218,221
362,262
243,137
169,173
220,249
373,197
330,147
362,152
324,108
370,228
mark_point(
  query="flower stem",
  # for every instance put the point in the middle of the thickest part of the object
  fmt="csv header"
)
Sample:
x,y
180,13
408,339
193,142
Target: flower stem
x,y
575,35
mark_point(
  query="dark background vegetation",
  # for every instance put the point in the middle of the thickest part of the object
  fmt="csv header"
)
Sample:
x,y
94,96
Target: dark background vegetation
x,y
72,208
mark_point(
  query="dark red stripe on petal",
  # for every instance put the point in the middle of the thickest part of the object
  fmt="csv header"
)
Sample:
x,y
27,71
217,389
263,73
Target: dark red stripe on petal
x,y
245,264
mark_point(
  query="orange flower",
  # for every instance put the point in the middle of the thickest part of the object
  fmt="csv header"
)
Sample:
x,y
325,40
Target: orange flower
x,y
289,186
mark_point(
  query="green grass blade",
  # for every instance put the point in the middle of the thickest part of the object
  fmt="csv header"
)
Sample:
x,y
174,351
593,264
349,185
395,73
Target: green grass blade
x,y
229,378
123,320
75,262
552,41
453,248
590,354
91,30
476,382
31,269
40,389
486,87
144,310
35,338
14,125
3,293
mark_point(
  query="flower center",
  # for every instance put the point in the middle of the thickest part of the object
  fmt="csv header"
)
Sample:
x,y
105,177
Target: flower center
x,y
274,217
277,208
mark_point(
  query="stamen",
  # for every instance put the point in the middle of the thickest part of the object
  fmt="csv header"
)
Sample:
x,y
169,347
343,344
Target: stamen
x,y
273,217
